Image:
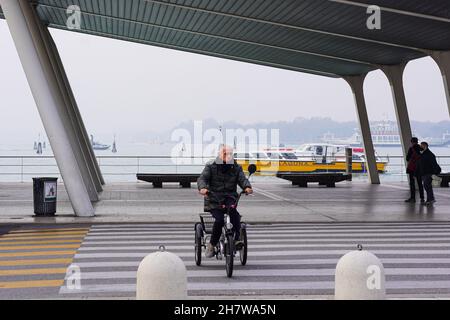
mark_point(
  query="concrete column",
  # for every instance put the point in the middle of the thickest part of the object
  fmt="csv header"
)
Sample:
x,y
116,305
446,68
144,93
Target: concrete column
x,y
357,85
395,76
63,102
442,59
72,108
20,19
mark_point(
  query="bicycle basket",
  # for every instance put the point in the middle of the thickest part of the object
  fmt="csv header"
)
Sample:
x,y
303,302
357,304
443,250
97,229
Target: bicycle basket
x,y
207,221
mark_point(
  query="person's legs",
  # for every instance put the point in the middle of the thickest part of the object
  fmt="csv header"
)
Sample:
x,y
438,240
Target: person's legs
x,y
420,184
412,186
218,225
427,183
236,221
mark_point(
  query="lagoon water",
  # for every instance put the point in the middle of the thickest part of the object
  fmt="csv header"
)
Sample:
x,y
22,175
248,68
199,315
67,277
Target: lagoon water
x,y
19,162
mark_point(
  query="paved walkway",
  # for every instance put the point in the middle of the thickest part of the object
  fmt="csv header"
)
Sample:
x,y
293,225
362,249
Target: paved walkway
x,y
274,201
284,261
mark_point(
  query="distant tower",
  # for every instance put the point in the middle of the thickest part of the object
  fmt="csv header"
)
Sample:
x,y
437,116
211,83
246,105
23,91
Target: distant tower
x,y
35,146
114,149
43,145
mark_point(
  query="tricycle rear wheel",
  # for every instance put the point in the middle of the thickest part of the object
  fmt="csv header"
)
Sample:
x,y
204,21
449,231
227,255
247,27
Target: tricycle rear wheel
x,y
244,249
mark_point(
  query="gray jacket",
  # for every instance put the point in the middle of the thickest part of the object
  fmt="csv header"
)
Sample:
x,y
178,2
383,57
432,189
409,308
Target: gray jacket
x,y
221,182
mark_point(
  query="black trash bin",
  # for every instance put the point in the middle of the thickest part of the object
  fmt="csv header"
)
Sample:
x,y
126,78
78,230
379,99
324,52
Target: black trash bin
x,y
44,196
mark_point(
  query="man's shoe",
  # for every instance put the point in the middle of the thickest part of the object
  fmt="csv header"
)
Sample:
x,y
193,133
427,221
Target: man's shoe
x,y
430,202
410,200
422,201
210,251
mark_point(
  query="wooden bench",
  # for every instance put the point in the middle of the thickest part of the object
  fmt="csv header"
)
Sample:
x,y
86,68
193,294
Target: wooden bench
x,y
445,179
157,179
324,179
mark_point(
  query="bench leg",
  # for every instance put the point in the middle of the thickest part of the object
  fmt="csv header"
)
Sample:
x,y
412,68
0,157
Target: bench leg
x,y
303,184
444,183
331,185
157,185
185,184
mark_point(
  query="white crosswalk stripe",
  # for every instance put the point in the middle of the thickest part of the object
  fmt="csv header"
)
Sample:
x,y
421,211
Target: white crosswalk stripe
x,y
284,259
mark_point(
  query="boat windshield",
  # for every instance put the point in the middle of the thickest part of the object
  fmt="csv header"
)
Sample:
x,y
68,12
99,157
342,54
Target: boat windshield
x,y
273,155
259,155
289,156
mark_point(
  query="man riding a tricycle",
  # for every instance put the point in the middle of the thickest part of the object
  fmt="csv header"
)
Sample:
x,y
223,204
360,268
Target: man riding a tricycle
x,y
218,183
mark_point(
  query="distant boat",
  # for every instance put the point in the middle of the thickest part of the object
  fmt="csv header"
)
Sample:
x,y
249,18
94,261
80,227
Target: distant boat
x,y
439,142
308,158
384,134
99,146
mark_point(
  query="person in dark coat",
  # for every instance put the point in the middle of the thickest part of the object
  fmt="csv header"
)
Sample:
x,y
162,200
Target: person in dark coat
x,y
412,158
218,183
428,167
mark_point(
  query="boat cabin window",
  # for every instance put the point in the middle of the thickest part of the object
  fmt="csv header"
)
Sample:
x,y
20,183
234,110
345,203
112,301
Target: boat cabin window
x,y
275,156
289,156
260,155
319,150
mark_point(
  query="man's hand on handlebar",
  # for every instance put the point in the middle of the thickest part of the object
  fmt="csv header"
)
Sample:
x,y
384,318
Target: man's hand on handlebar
x,y
203,192
248,191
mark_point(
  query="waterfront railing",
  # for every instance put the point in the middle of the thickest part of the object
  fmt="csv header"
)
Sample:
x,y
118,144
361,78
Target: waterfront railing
x,y
18,168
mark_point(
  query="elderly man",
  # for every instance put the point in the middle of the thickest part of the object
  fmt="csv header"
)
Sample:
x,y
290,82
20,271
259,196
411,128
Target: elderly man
x,y
220,178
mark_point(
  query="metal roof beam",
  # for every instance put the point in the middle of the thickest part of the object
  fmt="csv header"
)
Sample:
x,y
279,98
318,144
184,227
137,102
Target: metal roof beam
x,y
213,54
396,11
333,57
341,35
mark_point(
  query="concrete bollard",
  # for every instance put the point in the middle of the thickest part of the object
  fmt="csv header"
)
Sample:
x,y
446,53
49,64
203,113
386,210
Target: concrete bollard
x,y
360,276
161,276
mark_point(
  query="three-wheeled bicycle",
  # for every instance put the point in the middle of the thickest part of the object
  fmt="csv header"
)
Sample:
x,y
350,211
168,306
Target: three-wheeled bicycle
x,y
225,248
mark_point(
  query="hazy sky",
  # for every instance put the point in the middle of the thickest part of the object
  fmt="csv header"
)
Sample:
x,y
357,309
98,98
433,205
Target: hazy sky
x,y
122,87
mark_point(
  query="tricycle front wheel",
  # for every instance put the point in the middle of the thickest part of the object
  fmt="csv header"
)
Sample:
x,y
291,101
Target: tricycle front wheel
x,y
198,243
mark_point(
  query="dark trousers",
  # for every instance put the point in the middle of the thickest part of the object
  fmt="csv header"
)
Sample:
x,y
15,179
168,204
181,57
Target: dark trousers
x,y
219,222
427,184
412,185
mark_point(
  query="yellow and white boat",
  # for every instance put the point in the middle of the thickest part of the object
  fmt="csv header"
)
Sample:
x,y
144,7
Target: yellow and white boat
x,y
309,158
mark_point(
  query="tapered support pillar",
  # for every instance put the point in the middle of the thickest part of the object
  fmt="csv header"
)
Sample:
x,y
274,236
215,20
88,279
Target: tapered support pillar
x,y
442,59
63,101
87,153
395,76
357,85
20,18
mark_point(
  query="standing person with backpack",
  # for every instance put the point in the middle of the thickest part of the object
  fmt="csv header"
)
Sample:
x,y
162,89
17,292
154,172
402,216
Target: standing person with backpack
x,y
413,158
428,167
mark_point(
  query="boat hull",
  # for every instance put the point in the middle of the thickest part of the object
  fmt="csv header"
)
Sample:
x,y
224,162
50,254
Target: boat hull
x,y
271,167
